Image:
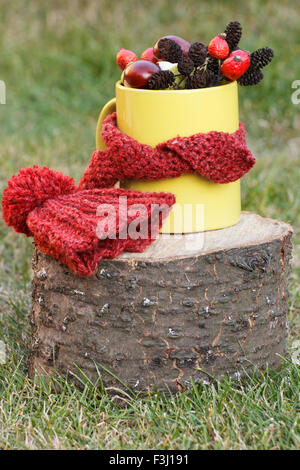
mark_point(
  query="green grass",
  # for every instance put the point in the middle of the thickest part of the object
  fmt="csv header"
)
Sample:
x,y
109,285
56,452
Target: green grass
x,y
258,414
58,62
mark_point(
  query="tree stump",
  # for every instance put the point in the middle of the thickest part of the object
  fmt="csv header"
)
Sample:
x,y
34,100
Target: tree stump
x,y
187,309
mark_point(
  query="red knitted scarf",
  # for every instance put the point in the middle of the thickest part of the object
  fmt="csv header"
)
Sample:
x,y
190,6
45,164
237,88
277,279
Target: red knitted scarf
x,y
218,156
65,220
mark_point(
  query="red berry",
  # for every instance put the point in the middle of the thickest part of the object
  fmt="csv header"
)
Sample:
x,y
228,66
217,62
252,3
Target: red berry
x,y
148,55
124,57
137,74
185,45
236,64
218,47
245,56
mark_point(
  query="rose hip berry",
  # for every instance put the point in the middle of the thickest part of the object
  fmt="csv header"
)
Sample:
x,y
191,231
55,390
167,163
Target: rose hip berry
x,y
149,55
218,47
236,64
124,57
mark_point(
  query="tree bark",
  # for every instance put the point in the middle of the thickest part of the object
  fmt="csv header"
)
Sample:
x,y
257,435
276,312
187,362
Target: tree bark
x,y
187,309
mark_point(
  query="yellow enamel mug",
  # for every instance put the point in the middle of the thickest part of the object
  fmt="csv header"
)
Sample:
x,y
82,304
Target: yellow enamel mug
x,y
152,117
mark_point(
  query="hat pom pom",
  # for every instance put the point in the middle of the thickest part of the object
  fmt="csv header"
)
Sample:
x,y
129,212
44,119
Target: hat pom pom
x,y
30,189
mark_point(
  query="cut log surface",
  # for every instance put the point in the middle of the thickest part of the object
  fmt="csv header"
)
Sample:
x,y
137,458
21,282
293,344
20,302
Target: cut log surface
x,y
189,308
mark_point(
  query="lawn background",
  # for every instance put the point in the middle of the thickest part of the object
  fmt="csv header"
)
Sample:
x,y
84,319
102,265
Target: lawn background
x,y
57,59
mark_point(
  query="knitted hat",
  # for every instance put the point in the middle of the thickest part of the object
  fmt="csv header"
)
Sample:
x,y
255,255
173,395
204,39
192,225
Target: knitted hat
x,y
67,224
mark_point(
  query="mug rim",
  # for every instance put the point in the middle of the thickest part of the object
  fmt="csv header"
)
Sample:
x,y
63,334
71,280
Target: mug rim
x,y
196,90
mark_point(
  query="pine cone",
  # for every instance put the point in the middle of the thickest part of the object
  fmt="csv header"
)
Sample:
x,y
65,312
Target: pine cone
x,y
213,65
233,33
170,50
201,79
185,66
261,57
252,77
161,80
197,53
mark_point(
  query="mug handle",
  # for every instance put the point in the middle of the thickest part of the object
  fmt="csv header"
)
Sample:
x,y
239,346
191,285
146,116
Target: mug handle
x,y
107,109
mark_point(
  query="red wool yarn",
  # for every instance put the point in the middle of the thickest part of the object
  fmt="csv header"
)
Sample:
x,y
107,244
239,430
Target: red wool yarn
x,y
218,156
63,219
